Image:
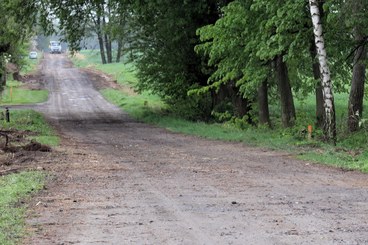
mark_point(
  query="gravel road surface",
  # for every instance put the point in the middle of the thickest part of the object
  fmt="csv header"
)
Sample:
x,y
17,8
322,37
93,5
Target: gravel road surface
x,y
118,181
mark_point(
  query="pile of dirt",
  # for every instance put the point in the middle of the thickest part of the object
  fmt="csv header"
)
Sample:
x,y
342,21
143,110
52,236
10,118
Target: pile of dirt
x,y
100,80
35,146
23,160
13,137
32,146
18,152
34,81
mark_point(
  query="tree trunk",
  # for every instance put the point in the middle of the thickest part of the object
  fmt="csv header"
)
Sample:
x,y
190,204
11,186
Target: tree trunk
x,y
286,96
241,106
318,88
107,41
320,110
355,106
263,111
329,127
99,33
119,51
102,48
2,80
108,48
17,76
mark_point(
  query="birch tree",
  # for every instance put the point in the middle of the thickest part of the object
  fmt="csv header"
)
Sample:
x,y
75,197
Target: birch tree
x,y
329,126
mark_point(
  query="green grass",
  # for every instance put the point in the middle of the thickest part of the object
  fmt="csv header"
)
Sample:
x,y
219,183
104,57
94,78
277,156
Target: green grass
x,y
351,151
16,188
29,120
124,73
31,64
14,94
13,189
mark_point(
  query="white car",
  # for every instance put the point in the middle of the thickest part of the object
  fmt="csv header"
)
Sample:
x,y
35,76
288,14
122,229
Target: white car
x,y
55,47
33,55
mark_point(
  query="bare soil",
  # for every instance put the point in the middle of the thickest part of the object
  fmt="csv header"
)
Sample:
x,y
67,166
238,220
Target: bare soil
x,y
118,181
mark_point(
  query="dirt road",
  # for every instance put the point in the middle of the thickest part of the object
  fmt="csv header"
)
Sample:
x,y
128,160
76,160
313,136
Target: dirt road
x,y
123,182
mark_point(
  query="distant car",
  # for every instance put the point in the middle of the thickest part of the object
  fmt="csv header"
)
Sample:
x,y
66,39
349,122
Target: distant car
x,y
55,47
33,55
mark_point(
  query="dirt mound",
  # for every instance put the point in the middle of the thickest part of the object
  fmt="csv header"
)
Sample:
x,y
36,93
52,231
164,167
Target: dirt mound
x,y
35,146
18,152
33,81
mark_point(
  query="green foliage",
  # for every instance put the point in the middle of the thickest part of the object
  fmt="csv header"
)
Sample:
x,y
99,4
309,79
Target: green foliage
x,y
194,107
349,154
13,189
249,35
166,62
29,65
16,21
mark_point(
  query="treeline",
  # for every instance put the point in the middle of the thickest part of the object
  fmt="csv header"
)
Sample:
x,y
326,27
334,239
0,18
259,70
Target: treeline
x,y
218,59
17,19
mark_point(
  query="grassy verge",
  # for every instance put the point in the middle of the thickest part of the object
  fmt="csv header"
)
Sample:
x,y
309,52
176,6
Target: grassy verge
x,y
123,73
14,94
29,120
350,153
16,188
13,189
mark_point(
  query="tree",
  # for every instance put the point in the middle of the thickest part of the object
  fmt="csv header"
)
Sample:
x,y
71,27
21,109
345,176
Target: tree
x,y
263,110
256,41
329,106
17,18
286,98
118,26
355,106
78,19
165,38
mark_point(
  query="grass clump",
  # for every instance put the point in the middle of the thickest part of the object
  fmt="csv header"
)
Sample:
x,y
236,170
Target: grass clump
x,y
13,189
29,120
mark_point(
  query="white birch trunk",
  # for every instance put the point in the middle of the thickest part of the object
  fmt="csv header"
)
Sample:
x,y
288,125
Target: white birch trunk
x,y
330,121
